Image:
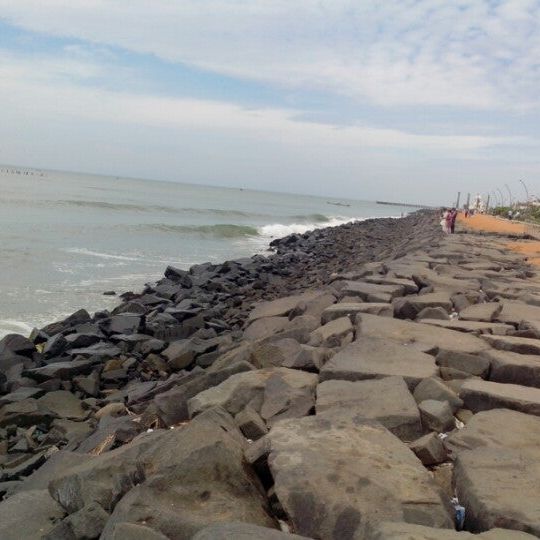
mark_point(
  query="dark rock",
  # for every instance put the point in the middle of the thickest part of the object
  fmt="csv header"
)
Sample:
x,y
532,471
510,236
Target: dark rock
x,y
429,449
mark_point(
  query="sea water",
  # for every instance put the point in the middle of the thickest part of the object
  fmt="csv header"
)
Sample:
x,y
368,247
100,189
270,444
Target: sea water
x,y
66,238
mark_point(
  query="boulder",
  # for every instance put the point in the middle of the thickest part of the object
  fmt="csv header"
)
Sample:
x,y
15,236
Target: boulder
x,y
429,449
514,344
179,354
333,334
375,358
251,424
436,415
387,400
242,389
514,368
287,397
29,515
371,292
468,363
437,313
474,327
60,370
498,428
265,327
350,309
479,395
336,477
172,402
499,488
132,531
195,476
16,345
276,308
481,312
63,404
410,306
243,531
424,337
274,352
434,388
406,531
25,413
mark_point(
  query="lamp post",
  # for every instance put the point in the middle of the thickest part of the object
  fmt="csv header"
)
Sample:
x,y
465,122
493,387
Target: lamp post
x,y
526,191
509,194
502,196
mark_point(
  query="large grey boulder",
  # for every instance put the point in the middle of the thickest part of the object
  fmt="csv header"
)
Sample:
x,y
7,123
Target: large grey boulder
x,y
387,400
426,338
60,370
410,306
434,388
374,358
499,488
243,531
473,327
183,478
436,415
350,309
333,333
514,368
468,363
273,392
407,531
479,395
274,352
371,292
514,344
29,515
337,476
481,312
429,449
64,404
498,428
516,312
200,480
172,404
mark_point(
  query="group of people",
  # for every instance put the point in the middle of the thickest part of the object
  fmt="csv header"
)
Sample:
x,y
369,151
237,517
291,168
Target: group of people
x,y
448,221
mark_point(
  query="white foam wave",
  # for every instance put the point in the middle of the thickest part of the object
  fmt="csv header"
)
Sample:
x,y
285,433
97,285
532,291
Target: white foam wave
x,y
11,326
279,230
84,251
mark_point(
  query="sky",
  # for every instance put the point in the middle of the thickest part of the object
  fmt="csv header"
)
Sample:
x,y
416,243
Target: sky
x,y
404,100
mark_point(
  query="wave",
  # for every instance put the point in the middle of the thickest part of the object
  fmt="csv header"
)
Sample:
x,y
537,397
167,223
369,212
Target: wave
x,y
315,218
279,230
221,230
84,251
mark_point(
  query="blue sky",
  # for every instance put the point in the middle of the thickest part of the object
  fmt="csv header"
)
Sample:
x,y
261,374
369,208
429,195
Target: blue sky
x,y
409,100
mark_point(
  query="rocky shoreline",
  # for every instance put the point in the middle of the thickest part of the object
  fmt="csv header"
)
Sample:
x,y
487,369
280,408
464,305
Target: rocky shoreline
x,y
376,381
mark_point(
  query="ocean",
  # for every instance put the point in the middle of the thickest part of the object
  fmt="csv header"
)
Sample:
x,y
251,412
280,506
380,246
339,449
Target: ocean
x,y
66,238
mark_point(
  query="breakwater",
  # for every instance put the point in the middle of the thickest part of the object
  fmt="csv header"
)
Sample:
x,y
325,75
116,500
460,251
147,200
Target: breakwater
x,y
362,381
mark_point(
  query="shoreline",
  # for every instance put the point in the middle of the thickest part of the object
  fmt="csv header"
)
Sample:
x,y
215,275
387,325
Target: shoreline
x,y
266,389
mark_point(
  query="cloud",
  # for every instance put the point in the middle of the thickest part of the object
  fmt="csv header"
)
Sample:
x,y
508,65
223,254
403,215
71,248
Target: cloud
x,y
475,54
38,87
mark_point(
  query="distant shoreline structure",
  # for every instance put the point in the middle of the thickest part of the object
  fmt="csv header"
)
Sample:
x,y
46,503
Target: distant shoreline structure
x,y
407,205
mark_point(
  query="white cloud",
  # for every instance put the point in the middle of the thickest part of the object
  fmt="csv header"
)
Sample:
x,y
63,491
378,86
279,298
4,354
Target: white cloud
x,y
38,88
429,52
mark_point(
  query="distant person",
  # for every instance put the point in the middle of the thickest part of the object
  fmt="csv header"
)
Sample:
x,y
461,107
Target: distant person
x,y
452,218
449,217
444,220
510,214
516,215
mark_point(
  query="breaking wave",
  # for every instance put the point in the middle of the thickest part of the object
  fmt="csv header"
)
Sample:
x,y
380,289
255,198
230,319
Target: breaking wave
x,y
222,230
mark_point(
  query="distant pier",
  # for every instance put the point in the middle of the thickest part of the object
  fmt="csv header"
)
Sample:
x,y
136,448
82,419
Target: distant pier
x,y
408,205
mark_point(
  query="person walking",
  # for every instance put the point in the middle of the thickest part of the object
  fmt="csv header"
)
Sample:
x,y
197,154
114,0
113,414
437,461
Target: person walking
x,y
444,221
453,217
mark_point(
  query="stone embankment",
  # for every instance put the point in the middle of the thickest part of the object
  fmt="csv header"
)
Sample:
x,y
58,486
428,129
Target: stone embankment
x,y
365,382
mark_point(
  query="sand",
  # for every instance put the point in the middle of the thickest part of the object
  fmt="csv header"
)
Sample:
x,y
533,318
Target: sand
x,y
481,222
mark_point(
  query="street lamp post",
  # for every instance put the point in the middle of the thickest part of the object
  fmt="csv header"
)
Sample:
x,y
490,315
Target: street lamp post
x,y
509,194
526,191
